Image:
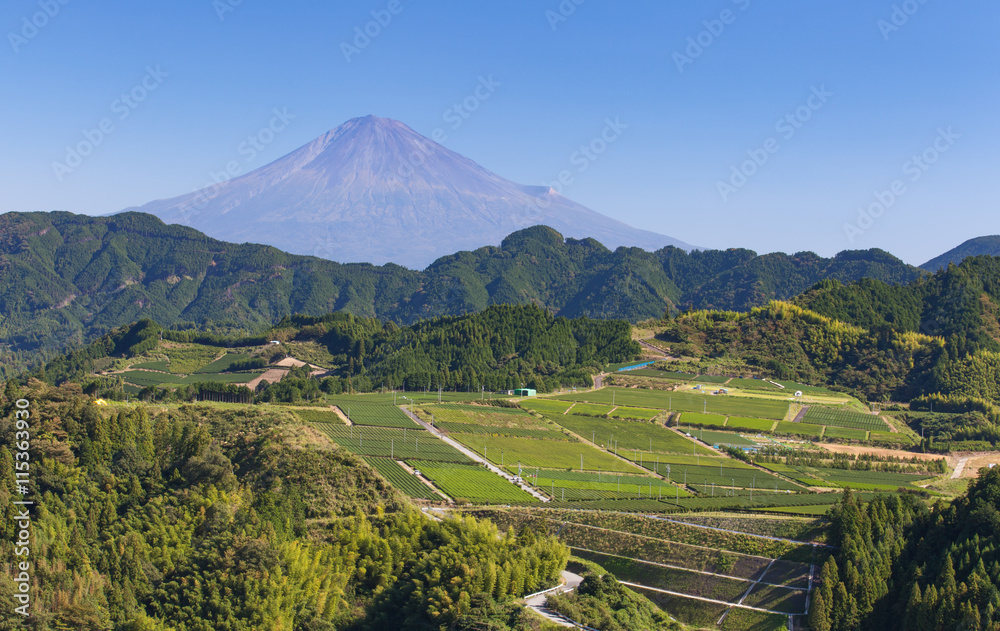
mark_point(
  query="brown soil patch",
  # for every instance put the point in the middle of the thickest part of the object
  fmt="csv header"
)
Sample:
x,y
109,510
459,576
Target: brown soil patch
x,y
879,451
976,463
273,375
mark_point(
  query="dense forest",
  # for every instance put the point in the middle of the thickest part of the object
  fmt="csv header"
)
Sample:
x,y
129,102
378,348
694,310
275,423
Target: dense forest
x,y
903,567
69,278
205,519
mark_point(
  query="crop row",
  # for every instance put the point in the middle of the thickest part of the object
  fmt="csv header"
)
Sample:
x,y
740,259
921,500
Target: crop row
x,y
367,441
471,482
401,479
545,454
493,430
843,418
373,414
630,435
685,402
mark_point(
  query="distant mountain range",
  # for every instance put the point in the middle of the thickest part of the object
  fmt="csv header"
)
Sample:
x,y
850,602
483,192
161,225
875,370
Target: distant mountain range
x,y
375,191
979,246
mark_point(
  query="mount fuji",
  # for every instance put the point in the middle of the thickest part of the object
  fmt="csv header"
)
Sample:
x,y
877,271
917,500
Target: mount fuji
x,y
373,190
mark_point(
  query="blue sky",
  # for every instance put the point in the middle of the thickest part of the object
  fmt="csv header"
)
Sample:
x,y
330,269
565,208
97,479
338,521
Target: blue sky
x,y
704,88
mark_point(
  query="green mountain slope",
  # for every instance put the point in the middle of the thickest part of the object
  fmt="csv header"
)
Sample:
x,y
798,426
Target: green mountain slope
x,y
69,277
980,246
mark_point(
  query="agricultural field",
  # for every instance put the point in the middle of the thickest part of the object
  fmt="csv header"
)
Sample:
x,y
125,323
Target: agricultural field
x,y
161,365
576,485
232,377
640,414
480,415
144,378
891,437
398,444
702,477
223,363
696,419
714,379
688,401
496,430
401,479
659,374
318,416
188,358
546,406
630,435
722,438
799,429
842,417
750,424
846,432
590,409
471,482
754,384
841,478
371,413
546,454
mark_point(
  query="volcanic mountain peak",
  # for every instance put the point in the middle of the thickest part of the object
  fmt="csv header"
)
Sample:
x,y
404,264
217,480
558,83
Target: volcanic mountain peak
x,y
375,190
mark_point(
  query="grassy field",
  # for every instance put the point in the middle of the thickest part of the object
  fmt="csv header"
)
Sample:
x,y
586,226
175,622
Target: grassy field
x,y
393,443
401,479
846,432
546,454
161,365
590,409
471,482
698,419
495,430
480,415
188,358
630,435
754,384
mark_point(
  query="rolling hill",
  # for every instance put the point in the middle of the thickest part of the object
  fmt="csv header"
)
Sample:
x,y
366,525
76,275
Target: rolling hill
x,y
989,246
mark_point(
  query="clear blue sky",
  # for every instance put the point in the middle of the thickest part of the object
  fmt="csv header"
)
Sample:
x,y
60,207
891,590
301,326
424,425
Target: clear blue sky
x,y
890,88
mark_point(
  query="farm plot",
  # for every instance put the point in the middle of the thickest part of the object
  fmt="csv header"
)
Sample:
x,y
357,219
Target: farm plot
x,y
754,384
590,409
740,619
765,499
319,416
230,377
546,406
891,437
799,429
659,374
471,482
716,379
160,365
641,414
495,430
840,417
576,485
722,438
187,358
374,414
392,443
628,435
750,424
144,378
480,415
863,480
547,454
401,479
223,363
783,599
846,432
698,420
703,477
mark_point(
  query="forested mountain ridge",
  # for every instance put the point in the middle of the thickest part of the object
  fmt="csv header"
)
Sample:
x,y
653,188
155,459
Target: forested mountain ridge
x,y
66,278
980,246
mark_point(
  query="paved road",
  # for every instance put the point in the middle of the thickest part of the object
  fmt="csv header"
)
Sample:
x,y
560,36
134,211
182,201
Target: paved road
x,y
471,454
537,602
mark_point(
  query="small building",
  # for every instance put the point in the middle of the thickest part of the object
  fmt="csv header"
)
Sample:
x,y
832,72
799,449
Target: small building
x,y
275,342
525,392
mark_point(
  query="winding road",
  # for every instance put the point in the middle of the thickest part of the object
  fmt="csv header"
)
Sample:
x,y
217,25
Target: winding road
x,y
537,602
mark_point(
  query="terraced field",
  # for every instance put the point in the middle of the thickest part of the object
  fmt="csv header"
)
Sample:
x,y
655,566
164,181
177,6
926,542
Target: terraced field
x,y
545,454
685,402
841,478
319,416
223,363
371,413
